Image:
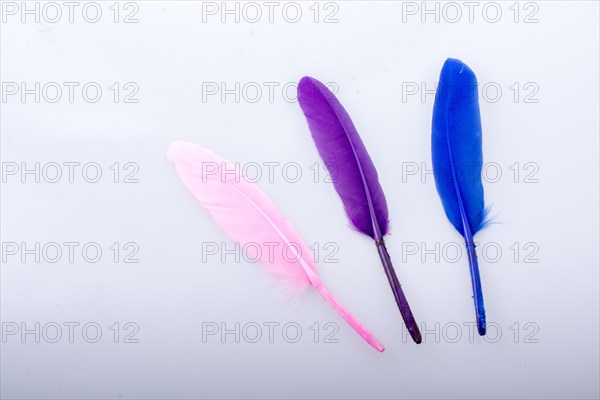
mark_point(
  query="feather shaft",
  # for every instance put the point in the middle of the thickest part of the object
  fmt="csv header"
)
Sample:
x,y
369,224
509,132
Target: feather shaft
x,y
399,296
470,246
316,282
477,291
346,315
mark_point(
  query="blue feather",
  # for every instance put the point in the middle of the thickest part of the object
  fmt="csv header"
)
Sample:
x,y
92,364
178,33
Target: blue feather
x,y
458,159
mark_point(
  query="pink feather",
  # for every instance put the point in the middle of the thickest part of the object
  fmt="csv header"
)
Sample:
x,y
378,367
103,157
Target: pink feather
x,y
249,216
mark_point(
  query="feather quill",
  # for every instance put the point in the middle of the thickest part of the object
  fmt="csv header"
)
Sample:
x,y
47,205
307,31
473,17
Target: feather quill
x,y
249,216
354,176
457,162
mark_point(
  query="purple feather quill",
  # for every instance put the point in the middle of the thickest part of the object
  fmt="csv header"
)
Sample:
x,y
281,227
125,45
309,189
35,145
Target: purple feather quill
x,y
354,176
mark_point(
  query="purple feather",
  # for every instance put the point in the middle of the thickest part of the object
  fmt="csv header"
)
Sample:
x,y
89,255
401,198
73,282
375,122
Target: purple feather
x,y
346,158
354,176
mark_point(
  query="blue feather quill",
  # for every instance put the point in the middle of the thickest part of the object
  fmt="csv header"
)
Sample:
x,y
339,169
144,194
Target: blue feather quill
x,y
457,162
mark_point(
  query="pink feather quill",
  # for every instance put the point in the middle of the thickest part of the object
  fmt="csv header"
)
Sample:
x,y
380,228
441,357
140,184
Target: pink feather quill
x,y
247,215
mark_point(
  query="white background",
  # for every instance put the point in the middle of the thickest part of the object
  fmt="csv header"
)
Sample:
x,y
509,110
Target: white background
x,y
373,52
